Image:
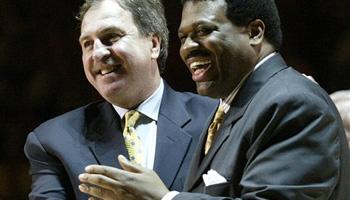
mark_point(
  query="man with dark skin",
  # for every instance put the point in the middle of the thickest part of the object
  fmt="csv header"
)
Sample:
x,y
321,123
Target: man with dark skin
x,y
281,137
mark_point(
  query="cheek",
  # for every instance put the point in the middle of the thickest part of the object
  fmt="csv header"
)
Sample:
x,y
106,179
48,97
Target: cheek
x,y
182,53
124,52
233,57
87,65
86,57
119,49
220,57
217,48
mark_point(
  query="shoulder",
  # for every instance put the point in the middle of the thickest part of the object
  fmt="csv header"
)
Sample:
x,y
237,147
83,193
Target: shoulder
x,y
289,85
198,100
289,96
71,122
189,99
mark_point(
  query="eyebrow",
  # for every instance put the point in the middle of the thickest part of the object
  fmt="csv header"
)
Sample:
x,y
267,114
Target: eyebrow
x,y
82,38
104,30
194,25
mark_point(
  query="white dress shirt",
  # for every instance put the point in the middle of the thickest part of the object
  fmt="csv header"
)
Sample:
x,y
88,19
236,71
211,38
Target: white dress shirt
x,y
146,129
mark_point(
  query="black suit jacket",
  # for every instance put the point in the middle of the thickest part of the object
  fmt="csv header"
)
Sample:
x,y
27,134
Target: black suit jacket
x,y
281,139
60,149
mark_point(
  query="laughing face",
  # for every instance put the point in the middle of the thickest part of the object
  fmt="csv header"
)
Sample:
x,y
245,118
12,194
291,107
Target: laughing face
x,y
118,61
217,53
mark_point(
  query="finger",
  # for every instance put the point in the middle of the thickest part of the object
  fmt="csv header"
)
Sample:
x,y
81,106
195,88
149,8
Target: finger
x,y
94,198
100,181
110,172
102,194
129,166
96,192
120,178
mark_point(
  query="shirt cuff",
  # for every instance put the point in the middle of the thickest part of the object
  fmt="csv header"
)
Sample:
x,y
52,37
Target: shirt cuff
x,y
170,195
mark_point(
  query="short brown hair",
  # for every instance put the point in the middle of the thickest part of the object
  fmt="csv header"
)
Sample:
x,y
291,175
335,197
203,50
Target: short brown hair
x,y
149,18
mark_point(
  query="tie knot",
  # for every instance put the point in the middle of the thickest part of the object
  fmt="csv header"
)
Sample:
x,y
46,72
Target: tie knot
x,y
131,118
219,115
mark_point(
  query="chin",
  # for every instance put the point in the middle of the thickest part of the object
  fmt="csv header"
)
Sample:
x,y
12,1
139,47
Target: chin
x,y
206,92
209,89
110,93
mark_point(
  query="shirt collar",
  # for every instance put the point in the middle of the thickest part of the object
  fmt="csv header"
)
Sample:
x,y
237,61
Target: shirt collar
x,y
149,107
264,60
225,103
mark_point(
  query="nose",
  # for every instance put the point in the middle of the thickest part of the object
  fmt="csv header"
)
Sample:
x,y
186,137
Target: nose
x,y
101,52
189,43
187,46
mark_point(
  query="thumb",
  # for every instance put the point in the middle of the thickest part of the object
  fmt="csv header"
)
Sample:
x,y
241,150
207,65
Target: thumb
x,y
129,166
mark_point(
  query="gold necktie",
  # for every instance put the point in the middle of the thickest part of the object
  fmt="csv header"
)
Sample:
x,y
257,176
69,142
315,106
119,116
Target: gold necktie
x,y
213,128
132,141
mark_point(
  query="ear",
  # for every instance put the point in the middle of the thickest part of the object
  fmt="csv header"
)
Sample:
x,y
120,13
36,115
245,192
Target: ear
x,y
155,50
256,32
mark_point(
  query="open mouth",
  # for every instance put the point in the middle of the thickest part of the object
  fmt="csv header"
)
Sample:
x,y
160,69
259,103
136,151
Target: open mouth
x,y
200,65
199,69
109,70
198,59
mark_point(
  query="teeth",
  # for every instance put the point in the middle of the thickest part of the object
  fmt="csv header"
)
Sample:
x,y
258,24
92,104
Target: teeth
x,y
198,64
106,71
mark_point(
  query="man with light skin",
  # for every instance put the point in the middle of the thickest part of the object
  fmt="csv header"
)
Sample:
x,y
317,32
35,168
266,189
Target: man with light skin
x,y
280,136
124,49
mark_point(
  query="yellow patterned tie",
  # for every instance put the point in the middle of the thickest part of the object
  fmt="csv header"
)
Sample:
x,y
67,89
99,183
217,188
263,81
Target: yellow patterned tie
x,y
132,141
213,128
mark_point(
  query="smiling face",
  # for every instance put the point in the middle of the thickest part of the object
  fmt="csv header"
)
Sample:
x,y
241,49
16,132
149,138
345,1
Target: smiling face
x,y
217,53
118,61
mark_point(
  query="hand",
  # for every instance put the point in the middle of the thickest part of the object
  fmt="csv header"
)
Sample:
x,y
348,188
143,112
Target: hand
x,y
132,183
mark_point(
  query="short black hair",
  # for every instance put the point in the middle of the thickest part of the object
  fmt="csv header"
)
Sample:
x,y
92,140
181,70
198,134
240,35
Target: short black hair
x,y
149,18
242,12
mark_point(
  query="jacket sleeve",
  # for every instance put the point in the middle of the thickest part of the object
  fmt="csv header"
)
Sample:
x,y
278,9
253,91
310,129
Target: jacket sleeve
x,y
294,152
49,179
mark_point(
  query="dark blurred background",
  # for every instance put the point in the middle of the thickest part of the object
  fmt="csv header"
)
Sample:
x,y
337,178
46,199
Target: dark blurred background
x,y
42,75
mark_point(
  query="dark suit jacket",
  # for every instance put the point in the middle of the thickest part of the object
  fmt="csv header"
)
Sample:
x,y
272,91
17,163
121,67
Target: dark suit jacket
x,y
281,139
60,149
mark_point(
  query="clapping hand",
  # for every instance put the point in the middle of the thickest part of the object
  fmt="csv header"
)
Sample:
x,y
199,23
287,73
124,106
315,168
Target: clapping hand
x,y
132,182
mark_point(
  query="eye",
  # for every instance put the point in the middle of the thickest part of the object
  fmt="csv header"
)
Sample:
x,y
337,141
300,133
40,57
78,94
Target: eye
x,y
87,44
182,38
203,31
111,38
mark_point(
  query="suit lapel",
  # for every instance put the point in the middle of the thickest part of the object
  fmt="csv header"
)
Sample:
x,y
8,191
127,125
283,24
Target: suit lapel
x,y
172,146
198,155
172,140
104,135
254,82
201,163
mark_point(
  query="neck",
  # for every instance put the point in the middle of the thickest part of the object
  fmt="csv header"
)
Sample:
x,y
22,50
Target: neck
x,y
265,49
135,99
